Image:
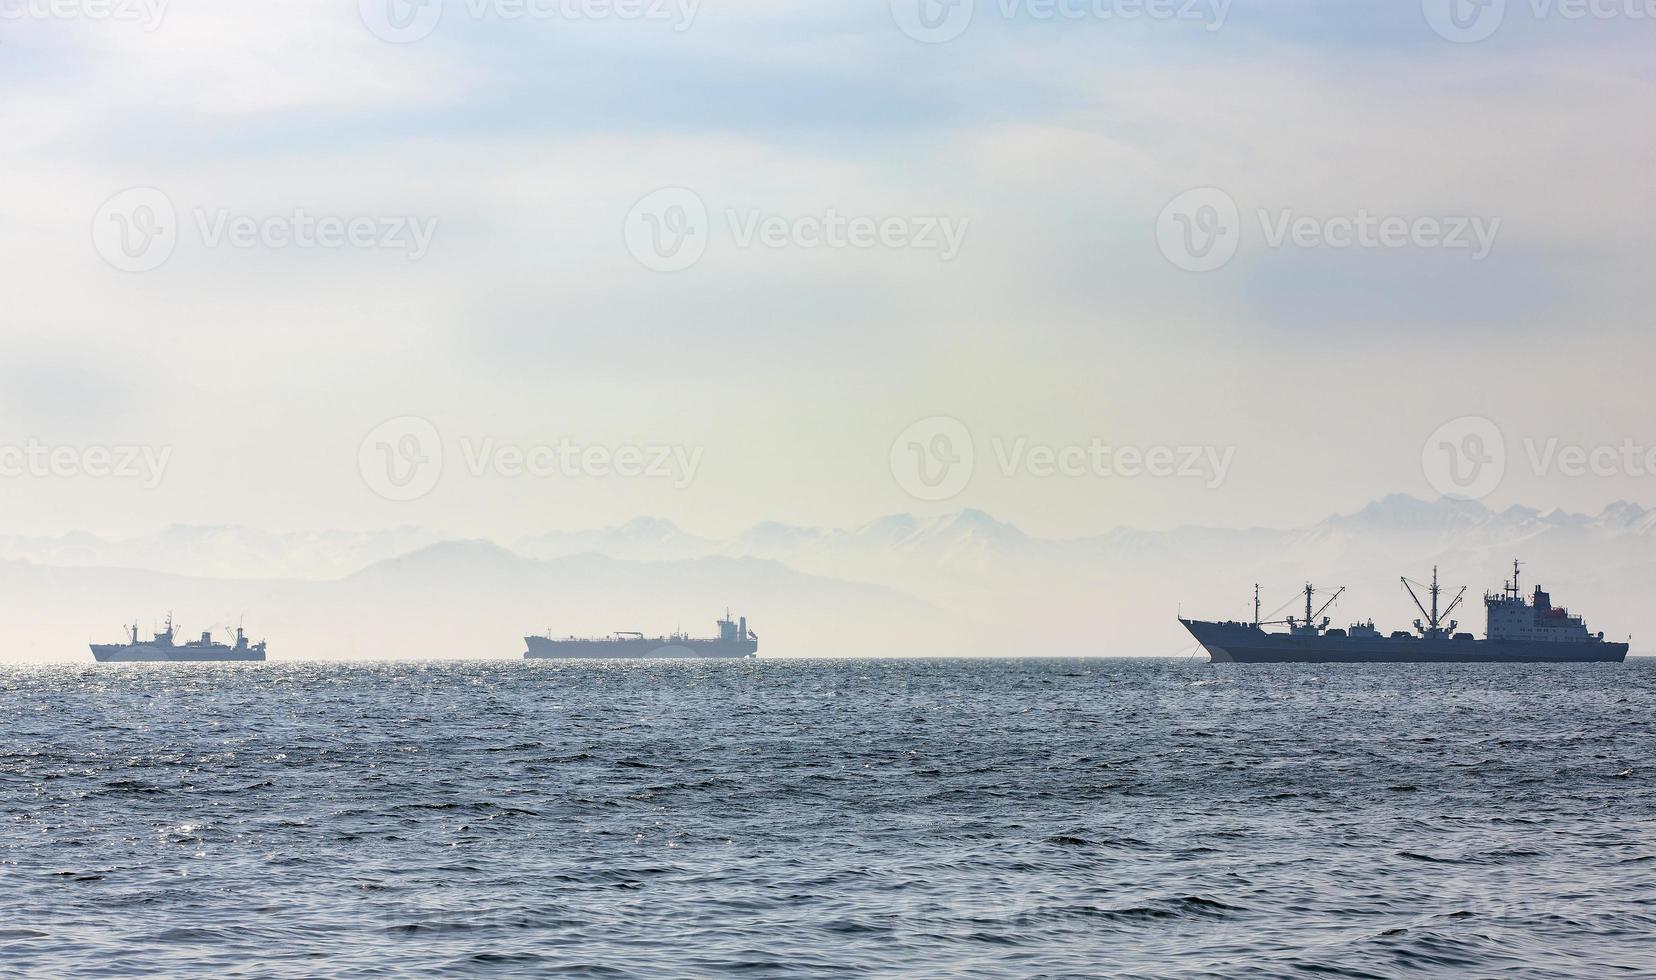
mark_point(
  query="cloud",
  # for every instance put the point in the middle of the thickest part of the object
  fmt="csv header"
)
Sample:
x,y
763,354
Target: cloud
x,y
1059,142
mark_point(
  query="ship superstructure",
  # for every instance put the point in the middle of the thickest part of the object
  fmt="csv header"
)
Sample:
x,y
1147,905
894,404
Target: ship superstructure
x,y
1520,629
734,641
164,648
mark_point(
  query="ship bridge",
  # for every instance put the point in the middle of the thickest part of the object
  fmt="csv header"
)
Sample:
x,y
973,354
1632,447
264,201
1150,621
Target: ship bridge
x,y
1512,616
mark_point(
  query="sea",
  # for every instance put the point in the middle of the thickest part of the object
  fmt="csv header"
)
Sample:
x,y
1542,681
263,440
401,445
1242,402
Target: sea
x,y
775,818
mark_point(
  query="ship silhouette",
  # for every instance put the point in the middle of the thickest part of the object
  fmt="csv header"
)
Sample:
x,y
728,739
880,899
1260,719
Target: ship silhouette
x,y
1520,630
735,641
165,649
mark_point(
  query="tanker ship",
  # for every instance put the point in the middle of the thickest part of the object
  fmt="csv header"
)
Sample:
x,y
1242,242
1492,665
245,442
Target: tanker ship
x,y
735,641
1520,629
163,649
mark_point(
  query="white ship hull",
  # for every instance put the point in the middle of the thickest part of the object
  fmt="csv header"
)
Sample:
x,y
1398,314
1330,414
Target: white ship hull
x,y
150,653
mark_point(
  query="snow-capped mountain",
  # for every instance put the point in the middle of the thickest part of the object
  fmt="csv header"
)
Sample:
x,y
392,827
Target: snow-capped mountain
x,y
962,583
222,551
644,539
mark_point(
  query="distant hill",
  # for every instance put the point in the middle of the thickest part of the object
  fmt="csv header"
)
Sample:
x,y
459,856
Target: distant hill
x,y
956,584
463,599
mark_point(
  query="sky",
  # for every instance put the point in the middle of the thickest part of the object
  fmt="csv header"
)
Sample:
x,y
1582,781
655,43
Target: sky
x,y
498,267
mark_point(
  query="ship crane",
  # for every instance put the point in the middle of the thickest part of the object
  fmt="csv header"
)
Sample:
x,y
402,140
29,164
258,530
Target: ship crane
x,y
1311,618
1433,624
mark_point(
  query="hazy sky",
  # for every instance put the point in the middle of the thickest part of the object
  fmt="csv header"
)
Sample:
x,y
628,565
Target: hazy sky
x,y
878,214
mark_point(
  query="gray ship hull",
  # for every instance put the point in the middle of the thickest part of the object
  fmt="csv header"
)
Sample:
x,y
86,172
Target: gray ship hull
x,y
542,648
150,653
1244,643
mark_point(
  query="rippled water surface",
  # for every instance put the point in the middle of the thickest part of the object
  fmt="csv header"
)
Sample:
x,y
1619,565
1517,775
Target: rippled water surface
x,y
774,819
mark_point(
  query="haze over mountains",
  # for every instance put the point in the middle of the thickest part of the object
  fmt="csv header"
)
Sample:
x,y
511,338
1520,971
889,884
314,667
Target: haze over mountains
x,y
957,584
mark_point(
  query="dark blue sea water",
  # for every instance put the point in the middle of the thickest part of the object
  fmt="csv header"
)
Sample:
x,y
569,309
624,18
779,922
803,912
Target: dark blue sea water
x,y
783,819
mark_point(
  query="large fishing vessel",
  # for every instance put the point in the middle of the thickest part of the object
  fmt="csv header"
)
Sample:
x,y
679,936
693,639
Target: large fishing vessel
x,y
1520,630
735,641
163,649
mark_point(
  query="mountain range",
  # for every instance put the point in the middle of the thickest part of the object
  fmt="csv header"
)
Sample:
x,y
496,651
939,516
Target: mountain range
x,y
957,584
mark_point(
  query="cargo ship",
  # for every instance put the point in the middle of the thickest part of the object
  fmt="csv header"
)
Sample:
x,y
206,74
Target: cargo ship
x,y
1520,629
164,649
735,641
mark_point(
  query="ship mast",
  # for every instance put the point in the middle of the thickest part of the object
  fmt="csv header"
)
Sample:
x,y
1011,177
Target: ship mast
x,y
1256,605
1434,619
1310,623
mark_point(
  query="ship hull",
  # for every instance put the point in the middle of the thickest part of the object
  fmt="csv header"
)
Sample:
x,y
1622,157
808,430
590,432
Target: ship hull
x,y
1247,644
144,653
541,648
